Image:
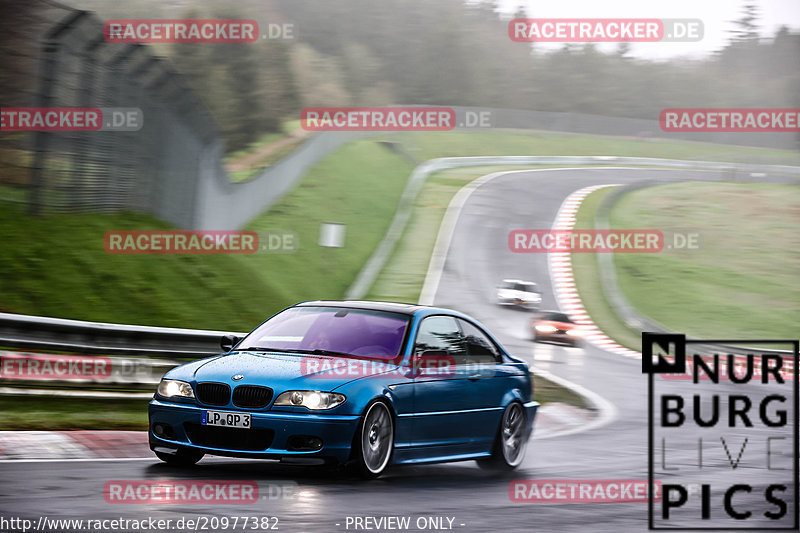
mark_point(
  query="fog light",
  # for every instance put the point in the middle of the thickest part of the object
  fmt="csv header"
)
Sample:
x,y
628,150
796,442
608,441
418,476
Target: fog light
x,y
303,443
164,431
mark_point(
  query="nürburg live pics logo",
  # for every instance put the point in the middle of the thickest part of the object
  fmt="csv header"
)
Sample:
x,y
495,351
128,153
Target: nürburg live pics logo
x,y
722,433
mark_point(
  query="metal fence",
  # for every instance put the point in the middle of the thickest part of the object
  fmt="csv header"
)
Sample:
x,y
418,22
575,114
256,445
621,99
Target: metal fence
x,y
133,357
151,170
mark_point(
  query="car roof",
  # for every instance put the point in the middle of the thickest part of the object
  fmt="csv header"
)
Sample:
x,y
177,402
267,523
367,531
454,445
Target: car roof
x,y
523,282
394,307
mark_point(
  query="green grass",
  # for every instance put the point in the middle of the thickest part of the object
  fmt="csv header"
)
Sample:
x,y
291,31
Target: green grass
x,y
52,413
506,142
743,281
545,391
56,265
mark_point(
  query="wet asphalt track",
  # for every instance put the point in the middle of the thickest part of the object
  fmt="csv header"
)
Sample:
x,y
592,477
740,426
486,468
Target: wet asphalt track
x,y
478,258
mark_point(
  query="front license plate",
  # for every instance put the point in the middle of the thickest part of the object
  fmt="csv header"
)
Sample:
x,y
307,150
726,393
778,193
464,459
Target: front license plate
x,y
220,418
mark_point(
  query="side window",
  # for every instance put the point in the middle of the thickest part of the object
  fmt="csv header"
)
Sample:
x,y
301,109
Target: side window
x,y
440,334
480,349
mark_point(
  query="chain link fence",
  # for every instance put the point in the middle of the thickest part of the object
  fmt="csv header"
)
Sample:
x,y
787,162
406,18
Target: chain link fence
x,y
54,57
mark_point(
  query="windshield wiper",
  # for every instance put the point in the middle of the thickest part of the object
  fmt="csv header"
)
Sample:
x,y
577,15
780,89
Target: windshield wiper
x,y
293,350
325,352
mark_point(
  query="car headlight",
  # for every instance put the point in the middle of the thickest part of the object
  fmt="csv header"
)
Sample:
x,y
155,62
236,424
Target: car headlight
x,y
170,388
575,332
544,328
311,399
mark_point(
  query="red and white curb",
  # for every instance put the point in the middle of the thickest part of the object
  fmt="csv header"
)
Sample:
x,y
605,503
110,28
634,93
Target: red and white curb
x,y
73,445
560,265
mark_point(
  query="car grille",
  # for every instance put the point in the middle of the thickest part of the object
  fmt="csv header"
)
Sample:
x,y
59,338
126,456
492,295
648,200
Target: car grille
x,y
561,331
213,393
246,440
251,396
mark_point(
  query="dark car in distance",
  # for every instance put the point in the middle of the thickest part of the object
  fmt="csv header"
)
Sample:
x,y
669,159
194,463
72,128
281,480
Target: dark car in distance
x,y
555,326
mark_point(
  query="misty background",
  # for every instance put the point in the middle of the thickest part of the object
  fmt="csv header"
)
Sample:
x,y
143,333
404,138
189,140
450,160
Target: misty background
x,y
448,52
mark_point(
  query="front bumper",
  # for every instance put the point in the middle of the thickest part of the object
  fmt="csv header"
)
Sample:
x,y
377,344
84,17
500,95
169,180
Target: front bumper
x,y
531,408
557,337
270,436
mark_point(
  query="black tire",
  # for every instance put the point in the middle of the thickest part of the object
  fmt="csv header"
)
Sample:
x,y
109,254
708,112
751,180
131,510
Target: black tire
x,y
180,458
507,455
373,444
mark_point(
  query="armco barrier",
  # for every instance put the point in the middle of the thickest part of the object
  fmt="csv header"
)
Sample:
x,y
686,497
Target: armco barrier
x,y
121,376
75,336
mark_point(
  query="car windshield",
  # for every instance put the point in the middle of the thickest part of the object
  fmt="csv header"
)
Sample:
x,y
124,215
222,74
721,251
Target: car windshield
x,y
337,331
555,317
523,286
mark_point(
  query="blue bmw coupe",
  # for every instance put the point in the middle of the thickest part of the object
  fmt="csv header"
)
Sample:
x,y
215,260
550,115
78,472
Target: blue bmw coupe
x,y
365,384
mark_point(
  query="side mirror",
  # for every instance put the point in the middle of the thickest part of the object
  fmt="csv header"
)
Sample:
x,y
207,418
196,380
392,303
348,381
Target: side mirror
x,y
229,341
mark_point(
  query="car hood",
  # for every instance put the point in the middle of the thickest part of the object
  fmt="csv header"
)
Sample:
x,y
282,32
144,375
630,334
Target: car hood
x,y
279,371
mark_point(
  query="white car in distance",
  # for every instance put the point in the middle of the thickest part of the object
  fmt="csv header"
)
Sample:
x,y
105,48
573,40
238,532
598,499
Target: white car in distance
x,y
519,293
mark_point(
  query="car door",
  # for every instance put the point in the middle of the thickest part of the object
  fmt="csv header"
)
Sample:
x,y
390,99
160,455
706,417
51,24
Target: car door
x,y
443,400
488,383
